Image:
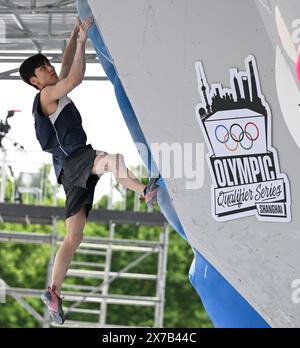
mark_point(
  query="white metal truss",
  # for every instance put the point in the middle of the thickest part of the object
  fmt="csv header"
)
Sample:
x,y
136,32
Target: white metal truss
x,y
37,26
99,295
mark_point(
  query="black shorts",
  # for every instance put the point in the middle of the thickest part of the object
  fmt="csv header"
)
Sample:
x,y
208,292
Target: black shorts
x,y
78,181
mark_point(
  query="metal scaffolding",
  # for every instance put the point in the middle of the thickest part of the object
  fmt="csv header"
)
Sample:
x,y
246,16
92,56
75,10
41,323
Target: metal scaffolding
x,y
37,26
103,249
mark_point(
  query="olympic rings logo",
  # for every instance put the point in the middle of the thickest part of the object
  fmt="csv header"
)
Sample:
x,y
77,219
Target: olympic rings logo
x,y
241,139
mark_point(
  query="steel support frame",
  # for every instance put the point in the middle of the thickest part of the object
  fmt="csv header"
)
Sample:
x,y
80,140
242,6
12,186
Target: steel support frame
x,y
18,58
14,11
93,295
162,277
107,269
9,7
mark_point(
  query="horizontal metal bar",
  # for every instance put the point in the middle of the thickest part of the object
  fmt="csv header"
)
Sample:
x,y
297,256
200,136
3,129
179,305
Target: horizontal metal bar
x,y
139,249
37,238
90,252
73,324
79,287
83,324
87,78
93,298
49,54
82,310
41,37
79,273
126,300
15,212
88,242
53,57
87,264
57,60
37,11
24,237
107,326
11,5
100,243
117,248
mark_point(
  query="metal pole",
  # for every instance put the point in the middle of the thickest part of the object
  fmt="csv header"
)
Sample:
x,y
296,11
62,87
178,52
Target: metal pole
x,y
55,195
42,191
162,275
111,193
13,191
3,181
124,198
137,202
50,266
105,288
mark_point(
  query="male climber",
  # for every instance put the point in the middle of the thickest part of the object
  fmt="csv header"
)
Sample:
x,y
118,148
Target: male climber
x,y
78,166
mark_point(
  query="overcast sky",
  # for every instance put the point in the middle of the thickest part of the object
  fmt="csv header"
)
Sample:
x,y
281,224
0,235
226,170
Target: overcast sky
x,y
102,121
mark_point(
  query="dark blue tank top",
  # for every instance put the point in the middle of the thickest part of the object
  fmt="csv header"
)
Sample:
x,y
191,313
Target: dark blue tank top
x,y
61,133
